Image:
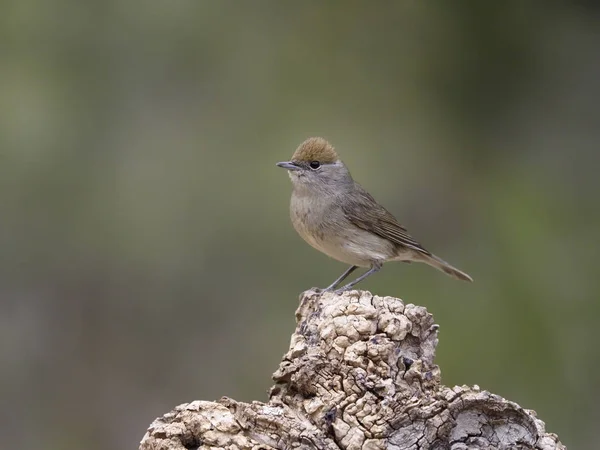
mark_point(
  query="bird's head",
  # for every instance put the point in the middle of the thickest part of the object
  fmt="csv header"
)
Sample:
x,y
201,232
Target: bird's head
x,y
316,165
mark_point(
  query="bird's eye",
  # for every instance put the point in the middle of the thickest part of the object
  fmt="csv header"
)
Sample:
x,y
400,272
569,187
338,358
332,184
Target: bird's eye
x,y
315,165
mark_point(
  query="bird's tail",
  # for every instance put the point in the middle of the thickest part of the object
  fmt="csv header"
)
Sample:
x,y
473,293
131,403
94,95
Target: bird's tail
x,y
442,265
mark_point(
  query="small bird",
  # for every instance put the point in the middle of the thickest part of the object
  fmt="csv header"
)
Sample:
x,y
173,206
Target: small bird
x,y
335,215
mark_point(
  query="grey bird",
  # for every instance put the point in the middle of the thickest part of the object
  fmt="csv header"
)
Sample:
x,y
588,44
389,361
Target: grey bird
x,y
335,215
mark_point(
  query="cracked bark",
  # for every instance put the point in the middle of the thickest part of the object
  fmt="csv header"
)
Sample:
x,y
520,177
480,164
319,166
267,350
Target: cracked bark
x,y
359,374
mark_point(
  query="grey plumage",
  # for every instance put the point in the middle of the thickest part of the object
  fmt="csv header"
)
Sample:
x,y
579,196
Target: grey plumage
x,y
362,210
340,218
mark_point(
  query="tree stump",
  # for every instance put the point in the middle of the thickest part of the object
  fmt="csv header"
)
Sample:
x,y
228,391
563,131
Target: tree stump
x,y
359,374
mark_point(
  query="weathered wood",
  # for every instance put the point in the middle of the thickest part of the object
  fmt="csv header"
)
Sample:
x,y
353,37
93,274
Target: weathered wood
x,y
359,374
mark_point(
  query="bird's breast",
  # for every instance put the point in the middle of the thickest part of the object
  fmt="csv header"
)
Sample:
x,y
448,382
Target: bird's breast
x,y
309,219
324,226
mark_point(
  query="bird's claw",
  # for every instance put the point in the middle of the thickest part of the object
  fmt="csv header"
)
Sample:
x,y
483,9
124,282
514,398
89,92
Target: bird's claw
x,y
332,289
341,290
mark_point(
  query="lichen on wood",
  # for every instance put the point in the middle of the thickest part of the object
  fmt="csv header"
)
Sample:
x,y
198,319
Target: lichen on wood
x,y
359,374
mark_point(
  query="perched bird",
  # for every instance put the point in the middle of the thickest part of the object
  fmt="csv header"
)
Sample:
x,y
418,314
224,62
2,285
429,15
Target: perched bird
x,y
335,215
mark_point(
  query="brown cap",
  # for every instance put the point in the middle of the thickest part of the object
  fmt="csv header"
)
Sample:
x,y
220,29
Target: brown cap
x,y
315,149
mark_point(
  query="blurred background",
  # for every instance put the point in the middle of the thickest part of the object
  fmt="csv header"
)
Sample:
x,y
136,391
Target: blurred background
x,y
147,258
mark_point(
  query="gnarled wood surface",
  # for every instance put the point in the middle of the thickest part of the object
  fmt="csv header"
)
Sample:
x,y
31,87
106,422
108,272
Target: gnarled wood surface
x,y
359,374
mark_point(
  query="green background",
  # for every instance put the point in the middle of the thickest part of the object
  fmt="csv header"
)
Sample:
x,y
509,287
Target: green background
x,y
147,257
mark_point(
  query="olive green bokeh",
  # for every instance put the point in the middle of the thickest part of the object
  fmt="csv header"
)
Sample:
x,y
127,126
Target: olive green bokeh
x,y
147,255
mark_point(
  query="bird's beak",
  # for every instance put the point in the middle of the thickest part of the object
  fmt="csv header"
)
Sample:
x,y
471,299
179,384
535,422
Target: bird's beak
x,y
289,165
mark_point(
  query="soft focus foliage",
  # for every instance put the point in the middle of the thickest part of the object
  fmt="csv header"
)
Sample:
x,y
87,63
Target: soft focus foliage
x,y
147,255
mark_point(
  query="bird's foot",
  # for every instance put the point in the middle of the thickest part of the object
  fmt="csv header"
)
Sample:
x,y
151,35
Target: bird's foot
x,y
329,288
339,291
322,290
318,290
342,290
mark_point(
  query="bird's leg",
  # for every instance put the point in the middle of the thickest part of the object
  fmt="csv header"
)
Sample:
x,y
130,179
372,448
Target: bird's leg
x,y
342,277
375,267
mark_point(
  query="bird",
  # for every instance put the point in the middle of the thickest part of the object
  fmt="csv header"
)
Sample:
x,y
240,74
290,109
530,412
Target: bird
x,y
337,216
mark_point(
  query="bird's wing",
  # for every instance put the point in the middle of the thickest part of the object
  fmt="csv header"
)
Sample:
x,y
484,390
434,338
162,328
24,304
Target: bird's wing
x,y
363,211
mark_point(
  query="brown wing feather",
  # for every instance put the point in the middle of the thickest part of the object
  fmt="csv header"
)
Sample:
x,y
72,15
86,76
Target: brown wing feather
x,y
364,212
